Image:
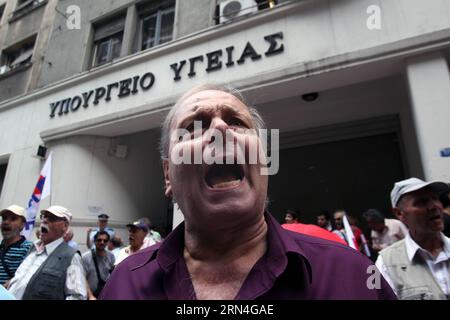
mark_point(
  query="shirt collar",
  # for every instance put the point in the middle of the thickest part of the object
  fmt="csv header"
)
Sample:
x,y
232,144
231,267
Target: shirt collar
x,y
412,247
278,240
49,247
15,244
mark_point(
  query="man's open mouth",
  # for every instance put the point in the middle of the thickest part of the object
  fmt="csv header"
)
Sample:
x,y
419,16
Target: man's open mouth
x,y
221,176
436,217
44,229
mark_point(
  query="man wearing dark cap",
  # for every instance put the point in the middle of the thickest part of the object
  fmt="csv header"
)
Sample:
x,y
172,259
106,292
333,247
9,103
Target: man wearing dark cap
x,y
102,226
137,234
417,267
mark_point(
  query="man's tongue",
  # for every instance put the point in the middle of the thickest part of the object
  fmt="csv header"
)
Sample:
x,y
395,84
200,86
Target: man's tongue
x,y
224,181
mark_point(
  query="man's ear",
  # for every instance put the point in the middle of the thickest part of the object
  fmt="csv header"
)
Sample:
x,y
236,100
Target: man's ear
x,y
399,214
66,227
168,186
22,225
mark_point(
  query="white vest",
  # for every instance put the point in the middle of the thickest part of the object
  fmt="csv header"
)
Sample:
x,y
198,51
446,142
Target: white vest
x,y
412,280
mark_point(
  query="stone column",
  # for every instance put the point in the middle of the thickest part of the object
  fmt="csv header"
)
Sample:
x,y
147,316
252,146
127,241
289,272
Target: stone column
x,y
429,87
129,35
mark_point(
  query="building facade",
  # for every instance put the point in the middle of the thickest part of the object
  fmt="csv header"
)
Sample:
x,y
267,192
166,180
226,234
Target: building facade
x,y
359,90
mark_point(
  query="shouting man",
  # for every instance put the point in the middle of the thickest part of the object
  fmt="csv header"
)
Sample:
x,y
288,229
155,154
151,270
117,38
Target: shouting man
x,y
229,246
14,247
52,270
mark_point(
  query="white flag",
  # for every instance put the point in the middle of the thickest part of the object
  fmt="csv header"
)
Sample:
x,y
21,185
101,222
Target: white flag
x,y
349,233
41,191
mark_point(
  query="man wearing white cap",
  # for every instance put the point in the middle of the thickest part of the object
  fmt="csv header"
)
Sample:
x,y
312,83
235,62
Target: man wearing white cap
x,y
417,267
14,247
53,270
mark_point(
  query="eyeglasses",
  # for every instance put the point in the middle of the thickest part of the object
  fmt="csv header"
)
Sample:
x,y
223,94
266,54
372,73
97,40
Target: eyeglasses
x,y
51,217
102,240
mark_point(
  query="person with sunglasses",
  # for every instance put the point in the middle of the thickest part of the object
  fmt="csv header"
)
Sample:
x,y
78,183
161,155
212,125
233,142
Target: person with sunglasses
x,y
52,270
98,263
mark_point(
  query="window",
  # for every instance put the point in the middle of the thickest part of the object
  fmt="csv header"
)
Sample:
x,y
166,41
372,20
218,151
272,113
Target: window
x,y
156,26
265,4
17,55
22,4
3,167
108,41
2,9
25,6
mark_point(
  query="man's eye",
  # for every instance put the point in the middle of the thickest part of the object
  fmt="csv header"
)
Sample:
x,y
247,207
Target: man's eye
x,y
190,127
236,122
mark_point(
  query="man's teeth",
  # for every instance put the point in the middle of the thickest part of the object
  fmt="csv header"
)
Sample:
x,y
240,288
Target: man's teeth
x,y
226,184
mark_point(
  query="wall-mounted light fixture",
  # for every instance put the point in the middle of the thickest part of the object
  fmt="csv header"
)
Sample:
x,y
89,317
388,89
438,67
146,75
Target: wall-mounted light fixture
x,y
309,97
41,152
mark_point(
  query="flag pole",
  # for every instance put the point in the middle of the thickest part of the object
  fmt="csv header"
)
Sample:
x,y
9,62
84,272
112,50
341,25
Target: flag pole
x,y
51,180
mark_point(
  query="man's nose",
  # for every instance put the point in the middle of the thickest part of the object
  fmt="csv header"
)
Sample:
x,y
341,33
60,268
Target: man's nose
x,y
219,124
435,204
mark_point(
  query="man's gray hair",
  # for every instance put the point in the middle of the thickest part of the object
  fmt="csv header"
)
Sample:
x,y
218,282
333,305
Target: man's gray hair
x,y
165,129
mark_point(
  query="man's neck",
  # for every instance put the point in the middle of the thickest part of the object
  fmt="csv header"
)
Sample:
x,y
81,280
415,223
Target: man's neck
x,y
12,240
431,242
135,248
220,262
100,253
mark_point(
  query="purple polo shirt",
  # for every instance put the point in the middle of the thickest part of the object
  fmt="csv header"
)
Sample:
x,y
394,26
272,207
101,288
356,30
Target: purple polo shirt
x,y
295,266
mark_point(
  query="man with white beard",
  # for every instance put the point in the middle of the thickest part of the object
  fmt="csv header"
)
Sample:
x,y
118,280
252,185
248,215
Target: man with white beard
x,y
53,270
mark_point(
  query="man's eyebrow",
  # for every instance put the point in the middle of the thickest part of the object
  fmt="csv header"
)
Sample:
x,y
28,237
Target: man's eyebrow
x,y
221,106
200,109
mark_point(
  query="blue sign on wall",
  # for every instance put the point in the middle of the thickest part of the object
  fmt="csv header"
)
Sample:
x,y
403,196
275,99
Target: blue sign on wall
x,y
445,152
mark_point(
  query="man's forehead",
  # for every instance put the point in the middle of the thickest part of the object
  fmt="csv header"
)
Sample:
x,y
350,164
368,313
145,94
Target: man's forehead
x,y
421,192
210,98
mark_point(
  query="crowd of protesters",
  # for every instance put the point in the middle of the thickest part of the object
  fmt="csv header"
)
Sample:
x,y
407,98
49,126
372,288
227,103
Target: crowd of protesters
x,y
411,252
53,267
247,255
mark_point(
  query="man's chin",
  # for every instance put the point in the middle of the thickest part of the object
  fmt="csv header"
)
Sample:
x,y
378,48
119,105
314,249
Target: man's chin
x,y
7,235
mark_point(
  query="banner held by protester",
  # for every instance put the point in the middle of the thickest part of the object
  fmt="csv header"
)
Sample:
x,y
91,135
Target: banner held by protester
x,y
41,191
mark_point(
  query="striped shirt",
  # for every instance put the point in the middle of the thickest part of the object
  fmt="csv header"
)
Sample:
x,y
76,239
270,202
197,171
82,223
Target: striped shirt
x,y
11,257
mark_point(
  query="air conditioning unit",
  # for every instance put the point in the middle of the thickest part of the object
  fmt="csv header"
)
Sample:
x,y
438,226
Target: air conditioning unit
x,y
230,9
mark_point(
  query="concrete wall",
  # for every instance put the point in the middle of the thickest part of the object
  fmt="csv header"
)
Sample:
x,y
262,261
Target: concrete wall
x,y
192,16
429,84
14,84
24,27
87,173
37,22
75,45
72,44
